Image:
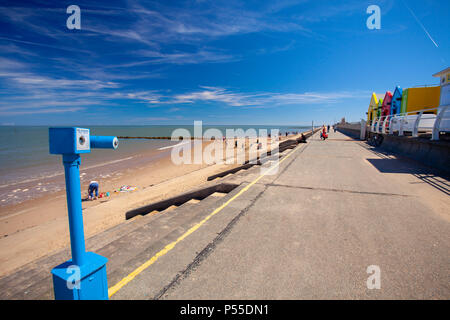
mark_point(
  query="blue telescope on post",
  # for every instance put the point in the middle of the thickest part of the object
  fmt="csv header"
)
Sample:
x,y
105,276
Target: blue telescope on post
x,y
84,276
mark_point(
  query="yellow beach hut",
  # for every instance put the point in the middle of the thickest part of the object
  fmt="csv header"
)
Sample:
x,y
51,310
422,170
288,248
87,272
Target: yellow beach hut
x,y
417,99
373,107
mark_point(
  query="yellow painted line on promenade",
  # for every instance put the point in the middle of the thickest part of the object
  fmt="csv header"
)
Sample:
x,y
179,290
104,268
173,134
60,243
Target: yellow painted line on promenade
x,y
170,246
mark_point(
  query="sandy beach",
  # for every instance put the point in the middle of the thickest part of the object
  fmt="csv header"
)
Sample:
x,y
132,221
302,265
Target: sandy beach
x,y
39,227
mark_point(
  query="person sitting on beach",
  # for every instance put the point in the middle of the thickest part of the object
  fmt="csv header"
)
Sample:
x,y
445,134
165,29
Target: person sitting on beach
x,y
93,186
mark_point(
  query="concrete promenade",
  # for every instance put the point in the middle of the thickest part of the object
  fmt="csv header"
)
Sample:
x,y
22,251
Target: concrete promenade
x,y
310,231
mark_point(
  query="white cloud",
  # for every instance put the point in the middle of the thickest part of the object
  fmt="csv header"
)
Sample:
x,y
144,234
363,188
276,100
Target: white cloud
x,y
258,99
38,111
201,56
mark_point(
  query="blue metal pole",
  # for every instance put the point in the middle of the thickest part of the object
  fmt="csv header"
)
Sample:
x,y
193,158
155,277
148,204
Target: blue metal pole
x,y
73,192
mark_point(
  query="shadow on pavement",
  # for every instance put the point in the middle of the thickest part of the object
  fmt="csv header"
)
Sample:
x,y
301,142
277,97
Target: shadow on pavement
x,y
390,163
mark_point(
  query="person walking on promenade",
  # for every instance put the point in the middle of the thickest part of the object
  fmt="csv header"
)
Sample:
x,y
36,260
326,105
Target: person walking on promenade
x,y
323,133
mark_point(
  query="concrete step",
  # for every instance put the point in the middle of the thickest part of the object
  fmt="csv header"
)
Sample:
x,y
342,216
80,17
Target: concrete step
x,y
31,281
129,244
26,283
129,252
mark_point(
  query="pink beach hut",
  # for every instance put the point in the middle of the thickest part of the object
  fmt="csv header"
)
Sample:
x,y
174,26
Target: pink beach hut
x,y
386,106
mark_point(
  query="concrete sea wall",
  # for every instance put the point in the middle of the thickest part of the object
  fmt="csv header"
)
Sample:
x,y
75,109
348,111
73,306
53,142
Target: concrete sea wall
x,y
435,154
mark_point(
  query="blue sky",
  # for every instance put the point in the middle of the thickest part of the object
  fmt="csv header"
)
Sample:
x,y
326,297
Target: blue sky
x,y
223,62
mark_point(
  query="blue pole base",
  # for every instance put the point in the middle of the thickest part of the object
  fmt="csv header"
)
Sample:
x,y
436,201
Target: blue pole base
x,y
85,282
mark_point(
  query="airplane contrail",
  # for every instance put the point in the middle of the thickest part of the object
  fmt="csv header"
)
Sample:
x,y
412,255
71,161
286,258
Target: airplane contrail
x,y
421,25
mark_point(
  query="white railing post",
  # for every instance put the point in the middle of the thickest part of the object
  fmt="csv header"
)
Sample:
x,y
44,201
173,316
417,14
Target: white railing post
x,y
387,121
437,123
415,132
400,131
391,129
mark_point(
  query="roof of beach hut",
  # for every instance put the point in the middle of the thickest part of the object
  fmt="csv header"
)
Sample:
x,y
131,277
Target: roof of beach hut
x,y
387,97
444,75
396,100
373,106
398,91
374,99
445,86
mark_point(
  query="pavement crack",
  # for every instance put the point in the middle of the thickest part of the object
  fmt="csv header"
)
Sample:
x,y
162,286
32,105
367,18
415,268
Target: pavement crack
x,y
203,254
338,190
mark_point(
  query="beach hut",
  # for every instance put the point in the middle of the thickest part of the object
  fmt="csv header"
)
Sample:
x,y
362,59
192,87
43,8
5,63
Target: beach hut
x,y
378,110
396,102
373,104
417,99
444,104
444,76
386,106
373,108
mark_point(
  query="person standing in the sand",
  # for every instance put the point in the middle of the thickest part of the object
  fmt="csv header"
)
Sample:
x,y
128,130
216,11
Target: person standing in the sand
x,y
93,187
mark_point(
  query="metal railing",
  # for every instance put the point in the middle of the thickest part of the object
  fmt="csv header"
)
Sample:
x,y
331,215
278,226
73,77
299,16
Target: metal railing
x,y
415,121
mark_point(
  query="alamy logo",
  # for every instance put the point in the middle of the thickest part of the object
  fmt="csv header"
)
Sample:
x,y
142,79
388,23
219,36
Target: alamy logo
x,y
374,280
238,146
73,281
374,20
74,20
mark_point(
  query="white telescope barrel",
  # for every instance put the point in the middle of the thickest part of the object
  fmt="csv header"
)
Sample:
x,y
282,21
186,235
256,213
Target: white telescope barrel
x,y
104,142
